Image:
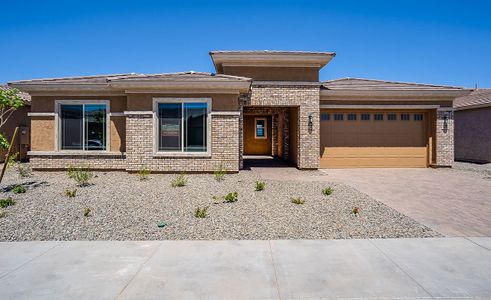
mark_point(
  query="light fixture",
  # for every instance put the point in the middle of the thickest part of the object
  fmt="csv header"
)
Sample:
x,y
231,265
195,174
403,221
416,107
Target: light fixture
x,y
445,122
311,123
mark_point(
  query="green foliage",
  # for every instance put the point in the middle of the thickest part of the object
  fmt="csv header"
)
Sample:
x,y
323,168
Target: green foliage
x,y
12,160
355,211
201,212
297,200
143,173
6,202
231,197
216,199
179,180
86,212
4,143
19,189
219,173
70,193
80,175
24,170
327,191
260,185
10,100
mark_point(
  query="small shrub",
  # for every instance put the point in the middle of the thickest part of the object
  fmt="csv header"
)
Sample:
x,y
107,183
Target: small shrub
x,y
327,191
219,173
80,175
260,185
6,202
86,212
143,173
231,197
19,189
179,180
355,211
70,193
216,199
24,170
12,160
201,212
297,200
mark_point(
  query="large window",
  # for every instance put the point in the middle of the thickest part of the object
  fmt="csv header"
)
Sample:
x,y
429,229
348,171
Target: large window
x,y
183,126
83,126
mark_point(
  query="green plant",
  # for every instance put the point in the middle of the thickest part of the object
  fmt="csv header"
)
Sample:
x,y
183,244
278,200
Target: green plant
x,y
70,193
179,180
216,199
12,160
10,100
201,212
24,170
355,211
260,185
231,197
80,175
86,212
297,200
327,191
6,202
219,173
143,173
19,189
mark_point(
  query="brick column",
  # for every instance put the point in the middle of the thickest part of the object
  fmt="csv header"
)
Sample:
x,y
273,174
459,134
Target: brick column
x,y
444,138
139,141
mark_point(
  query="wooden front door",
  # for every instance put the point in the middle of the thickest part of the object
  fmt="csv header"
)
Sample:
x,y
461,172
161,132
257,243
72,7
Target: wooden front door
x,y
257,135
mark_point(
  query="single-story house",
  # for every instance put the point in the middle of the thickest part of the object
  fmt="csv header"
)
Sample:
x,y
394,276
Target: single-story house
x,y
19,119
257,103
473,127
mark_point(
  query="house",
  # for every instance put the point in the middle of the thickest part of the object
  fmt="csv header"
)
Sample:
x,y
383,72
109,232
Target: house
x,y
257,103
19,119
473,127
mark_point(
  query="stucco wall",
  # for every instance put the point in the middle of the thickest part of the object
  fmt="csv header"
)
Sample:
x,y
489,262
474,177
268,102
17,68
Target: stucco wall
x,y
220,102
473,135
275,73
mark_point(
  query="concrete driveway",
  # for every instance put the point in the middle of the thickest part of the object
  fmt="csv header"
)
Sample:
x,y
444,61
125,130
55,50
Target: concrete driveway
x,y
452,202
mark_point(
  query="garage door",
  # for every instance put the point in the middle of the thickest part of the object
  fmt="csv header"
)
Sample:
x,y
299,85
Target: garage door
x,y
357,139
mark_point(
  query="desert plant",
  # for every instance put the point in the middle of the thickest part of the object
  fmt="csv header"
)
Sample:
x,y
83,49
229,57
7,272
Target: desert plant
x,y
24,170
80,175
6,202
201,212
327,191
143,173
355,211
10,100
231,197
260,185
86,211
12,160
19,189
179,180
216,199
219,173
70,193
297,200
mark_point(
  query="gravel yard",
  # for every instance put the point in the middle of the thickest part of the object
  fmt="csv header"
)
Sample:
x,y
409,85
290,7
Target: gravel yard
x,y
124,208
481,169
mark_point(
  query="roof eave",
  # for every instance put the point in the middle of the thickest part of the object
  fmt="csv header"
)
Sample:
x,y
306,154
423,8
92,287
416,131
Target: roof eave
x,y
450,93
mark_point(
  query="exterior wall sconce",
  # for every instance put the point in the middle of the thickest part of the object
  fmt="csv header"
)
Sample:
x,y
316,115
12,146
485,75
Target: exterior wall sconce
x,y
445,123
311,123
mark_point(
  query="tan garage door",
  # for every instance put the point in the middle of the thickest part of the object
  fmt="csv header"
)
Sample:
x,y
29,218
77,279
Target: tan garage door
x,y
357,139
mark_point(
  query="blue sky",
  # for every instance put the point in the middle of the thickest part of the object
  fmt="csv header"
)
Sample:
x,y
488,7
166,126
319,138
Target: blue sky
x,y
441,42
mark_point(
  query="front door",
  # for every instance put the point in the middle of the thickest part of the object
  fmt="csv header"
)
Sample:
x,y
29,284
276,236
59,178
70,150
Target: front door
x,y
257,135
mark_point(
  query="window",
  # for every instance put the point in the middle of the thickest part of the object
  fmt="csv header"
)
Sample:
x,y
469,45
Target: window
x,y
182,125
418,117
392,117
405,117
378,117
365,117
352,117
324,117
261,131
338,117
82,126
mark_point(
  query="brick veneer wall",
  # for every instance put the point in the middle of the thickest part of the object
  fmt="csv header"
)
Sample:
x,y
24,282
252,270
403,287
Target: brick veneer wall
x,y
306,97
224,147
444,140
100,162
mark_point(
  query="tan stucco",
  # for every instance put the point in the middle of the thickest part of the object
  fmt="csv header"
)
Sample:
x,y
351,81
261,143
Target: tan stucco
x,y
42,133
47,103
275,73
473,135
392,101
220,102
118,134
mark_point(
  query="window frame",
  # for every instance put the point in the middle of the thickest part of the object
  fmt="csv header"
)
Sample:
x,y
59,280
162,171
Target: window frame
x,y
417,118
348,115
265,128
378,114
336,115
181,100
59,103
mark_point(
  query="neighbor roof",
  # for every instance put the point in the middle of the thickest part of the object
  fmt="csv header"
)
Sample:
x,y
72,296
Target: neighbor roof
x,y
380,85
478,98
25,96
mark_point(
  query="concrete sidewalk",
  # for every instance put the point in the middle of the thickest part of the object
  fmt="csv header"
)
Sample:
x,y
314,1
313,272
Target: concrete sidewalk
x,y
374,269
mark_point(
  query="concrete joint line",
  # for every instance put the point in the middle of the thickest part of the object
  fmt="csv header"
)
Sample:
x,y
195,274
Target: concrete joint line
x,y
277,284
477,244
29,261
138,271
400,268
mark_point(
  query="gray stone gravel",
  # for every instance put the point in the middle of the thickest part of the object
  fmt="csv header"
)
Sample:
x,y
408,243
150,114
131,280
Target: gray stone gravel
x,y
481,169
124,208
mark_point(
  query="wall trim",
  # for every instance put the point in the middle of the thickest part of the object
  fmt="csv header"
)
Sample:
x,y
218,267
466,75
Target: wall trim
x,y
75,153
225,113
137,112
41,114
357,106
116,114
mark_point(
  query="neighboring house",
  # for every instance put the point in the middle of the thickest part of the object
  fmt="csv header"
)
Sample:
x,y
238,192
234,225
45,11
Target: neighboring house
x,y
258,102
19,119
473,127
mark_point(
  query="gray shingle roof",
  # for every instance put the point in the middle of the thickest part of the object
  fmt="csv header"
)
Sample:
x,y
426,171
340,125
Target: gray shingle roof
x,y
375,85
25,96
476,98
